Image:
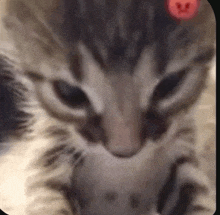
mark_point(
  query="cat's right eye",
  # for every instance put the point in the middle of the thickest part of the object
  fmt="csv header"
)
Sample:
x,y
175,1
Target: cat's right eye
x,y
70,95
169,84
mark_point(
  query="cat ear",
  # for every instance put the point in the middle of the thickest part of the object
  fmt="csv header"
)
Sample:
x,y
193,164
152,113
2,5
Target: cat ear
x,y
24,9
34,42
204,23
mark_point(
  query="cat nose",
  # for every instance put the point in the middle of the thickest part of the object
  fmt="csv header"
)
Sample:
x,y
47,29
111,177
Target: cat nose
x,y
124,152
122,116
123,139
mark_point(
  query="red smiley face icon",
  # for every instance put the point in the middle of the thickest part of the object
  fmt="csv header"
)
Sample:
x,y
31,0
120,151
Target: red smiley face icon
x,y
182,9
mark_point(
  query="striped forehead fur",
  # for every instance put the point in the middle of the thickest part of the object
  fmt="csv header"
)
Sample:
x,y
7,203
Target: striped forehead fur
x,y
115,32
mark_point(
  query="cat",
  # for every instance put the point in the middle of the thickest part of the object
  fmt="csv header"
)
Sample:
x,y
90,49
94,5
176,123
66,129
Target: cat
x,y
106,91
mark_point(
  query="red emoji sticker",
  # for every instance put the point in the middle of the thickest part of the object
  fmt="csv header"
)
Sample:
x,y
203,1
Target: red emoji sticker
x,y
182,9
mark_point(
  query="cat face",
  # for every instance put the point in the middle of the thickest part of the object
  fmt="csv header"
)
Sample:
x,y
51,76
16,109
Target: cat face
x,y
117,72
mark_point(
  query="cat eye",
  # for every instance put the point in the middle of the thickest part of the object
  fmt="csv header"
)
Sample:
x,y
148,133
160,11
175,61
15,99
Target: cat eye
x,y
169,84
70,95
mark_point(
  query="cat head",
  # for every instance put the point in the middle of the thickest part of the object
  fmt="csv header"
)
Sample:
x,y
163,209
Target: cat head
x,y
119,71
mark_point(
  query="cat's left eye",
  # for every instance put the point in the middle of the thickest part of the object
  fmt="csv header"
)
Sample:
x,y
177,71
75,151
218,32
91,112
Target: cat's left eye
x,y
71,95
169,84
